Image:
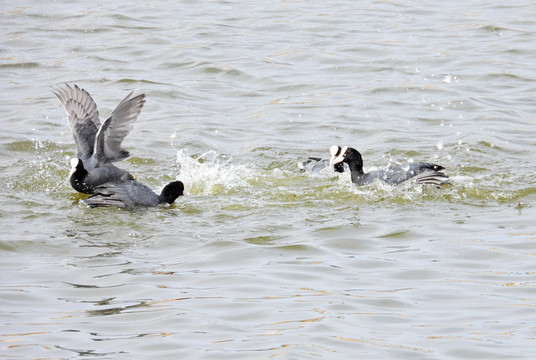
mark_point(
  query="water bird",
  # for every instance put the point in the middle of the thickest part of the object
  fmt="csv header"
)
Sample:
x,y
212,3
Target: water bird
x,y
130,194
412,173
98,145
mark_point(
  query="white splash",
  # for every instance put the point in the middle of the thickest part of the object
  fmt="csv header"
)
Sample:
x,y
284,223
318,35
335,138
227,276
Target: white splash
x,y
211,173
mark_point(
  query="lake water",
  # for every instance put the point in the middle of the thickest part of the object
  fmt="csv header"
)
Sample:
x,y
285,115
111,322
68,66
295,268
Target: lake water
x,y
262,261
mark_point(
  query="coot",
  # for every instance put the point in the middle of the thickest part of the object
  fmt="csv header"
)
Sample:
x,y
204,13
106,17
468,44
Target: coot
x,y
413,173
98,145
129,194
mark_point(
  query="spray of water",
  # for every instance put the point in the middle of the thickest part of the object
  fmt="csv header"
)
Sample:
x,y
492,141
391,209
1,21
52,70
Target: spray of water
x,y
211,173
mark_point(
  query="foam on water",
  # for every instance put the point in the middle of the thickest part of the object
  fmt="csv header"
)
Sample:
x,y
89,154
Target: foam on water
x,y
211,173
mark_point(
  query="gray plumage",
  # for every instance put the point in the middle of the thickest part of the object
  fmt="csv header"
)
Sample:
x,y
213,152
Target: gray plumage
x,y
413,173
98,145
132,193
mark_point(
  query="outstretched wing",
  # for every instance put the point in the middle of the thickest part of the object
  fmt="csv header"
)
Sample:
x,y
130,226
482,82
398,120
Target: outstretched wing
x,y
83,117
121,122
99,150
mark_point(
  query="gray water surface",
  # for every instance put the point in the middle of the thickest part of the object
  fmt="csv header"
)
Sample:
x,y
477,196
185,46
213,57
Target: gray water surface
x,y
261,260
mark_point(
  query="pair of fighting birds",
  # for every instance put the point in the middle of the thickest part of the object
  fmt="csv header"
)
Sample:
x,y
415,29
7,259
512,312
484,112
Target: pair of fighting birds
x,y
99,146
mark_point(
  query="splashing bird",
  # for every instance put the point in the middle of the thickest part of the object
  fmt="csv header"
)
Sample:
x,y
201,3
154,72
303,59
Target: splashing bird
x,y
410,174
98,145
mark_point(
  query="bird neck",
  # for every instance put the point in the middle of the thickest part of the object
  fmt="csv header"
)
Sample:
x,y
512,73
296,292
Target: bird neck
x,y
356,170
165,197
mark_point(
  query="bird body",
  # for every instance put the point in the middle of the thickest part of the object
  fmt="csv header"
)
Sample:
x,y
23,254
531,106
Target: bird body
x,y
85,181
98,145
129,194
412,173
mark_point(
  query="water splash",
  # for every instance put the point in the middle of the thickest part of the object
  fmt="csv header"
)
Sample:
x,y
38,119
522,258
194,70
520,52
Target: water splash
x,y
211,173
279,182
39,166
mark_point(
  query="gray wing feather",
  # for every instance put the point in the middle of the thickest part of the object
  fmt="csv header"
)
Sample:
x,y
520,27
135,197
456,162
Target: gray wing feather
x,y
77,101
110,194
415,173
124,194
431,177
102,201
121,123
83,117
84,132
140,195
99,151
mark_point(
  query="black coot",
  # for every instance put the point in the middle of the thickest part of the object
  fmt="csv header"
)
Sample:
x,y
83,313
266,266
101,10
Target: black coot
x,y
413,173
98,145
129,194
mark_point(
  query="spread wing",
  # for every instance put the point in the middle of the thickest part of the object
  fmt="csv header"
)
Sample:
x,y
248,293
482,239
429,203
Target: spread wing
x,y
99,149
121,122
83,117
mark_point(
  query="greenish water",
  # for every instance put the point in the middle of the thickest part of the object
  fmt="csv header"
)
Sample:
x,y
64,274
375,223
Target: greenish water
x,y
262,260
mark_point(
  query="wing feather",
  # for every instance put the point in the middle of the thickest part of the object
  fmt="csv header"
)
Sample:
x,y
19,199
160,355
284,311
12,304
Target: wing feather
x,y
83,117
121,123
